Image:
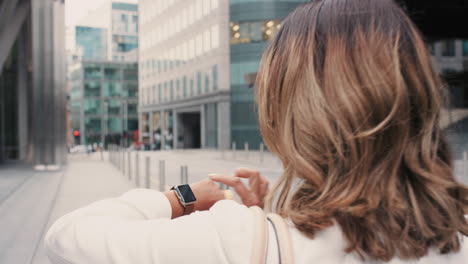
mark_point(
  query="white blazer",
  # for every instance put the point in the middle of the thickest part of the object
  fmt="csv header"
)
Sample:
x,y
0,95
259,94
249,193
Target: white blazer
x,y
136,228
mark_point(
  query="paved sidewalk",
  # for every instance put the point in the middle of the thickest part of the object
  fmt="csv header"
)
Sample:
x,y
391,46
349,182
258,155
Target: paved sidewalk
x,y
31,201
86,180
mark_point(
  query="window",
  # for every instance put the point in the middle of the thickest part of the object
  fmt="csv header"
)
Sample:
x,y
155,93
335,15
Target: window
x,y
199,83
448,48
159,93
111,89
207,84
91,72
191,53
92,125
206,7
215,77
92,88
130,74
191,87
92,106
113,107
178,89
214,36
111,74
199,45
214,4
199,9
206,41
165,91
172,89
184,86
254,31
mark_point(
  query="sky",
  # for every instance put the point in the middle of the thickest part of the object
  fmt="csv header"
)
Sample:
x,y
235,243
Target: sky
x,y
75,10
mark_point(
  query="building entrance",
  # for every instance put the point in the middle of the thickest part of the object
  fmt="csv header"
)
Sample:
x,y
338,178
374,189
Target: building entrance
x,y
190,130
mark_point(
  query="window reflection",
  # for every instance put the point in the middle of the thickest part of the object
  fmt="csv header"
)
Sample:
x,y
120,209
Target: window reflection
x,y
253,31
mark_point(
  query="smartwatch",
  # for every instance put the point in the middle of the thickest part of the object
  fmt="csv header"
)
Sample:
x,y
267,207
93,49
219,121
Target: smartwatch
x,y
186,197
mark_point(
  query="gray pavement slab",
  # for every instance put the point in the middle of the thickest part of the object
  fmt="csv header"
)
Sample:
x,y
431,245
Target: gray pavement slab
x,y
23,215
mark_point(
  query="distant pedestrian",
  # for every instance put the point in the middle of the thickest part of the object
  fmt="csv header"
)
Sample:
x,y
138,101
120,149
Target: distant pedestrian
x,y
349,101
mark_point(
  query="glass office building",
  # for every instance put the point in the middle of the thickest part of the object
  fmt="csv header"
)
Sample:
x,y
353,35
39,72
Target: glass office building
x,y
91,43
124,31
252,24
104,87
111,31
197,62
104,99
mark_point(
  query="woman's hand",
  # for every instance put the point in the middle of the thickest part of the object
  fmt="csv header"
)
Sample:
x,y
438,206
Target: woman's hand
x,y
206,192
252,195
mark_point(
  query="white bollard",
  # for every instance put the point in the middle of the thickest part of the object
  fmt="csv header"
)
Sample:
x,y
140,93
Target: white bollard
x,y
129,165
162,176
182,175
137,169
148,176
246,150
122,157
234,150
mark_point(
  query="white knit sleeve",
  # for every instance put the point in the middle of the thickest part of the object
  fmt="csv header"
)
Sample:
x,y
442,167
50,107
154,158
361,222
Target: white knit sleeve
x,y
136,228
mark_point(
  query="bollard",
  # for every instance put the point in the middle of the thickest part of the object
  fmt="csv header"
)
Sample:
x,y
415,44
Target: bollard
x,y
129,165
117,158
137,170
186,174
234,150
162,177
148,176
102,155
122,155
262,148
182,175
246,150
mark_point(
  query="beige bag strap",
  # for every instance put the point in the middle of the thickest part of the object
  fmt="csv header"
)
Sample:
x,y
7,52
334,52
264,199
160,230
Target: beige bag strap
x,y
283,238
260,245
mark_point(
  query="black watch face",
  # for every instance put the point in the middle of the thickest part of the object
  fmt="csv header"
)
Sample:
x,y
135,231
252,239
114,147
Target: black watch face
x,y
186,193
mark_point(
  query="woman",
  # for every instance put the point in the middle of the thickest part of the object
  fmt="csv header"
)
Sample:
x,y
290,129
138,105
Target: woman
x,y
348,100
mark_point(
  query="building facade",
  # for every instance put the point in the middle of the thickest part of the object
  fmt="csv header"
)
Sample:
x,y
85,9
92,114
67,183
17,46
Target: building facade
x,y
184,74
114,28
91,43
32,82
197,61
104,99
104,87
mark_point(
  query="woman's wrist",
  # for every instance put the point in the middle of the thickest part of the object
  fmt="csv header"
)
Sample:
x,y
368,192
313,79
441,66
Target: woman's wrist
x,y
177,208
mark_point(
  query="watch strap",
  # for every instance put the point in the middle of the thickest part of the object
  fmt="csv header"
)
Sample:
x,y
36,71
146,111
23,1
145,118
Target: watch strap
x,y
188,209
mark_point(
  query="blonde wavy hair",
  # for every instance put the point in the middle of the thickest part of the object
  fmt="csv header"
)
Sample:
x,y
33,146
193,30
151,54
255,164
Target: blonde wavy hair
x,y
348,100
